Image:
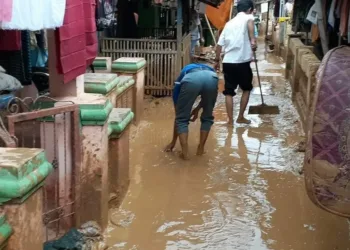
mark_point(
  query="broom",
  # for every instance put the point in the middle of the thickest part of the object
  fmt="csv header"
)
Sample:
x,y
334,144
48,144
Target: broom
x,y
262,109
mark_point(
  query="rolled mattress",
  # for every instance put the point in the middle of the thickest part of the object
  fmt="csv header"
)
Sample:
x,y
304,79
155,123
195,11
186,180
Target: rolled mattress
x,y
327,159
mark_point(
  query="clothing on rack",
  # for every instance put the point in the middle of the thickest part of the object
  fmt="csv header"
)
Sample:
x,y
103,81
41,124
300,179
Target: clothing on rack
x,y
315,33
35,15
126,17
276,11
105,13
10,40
76,40
344,18
5,10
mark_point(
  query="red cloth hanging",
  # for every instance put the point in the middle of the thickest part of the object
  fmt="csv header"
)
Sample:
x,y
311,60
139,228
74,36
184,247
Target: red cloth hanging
x,y
344,18
76,40
10,40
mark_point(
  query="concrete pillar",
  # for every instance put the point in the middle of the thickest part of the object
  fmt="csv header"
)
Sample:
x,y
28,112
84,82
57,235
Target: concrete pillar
x,y
111,86
134,67
5,230
22,173
102,64
289,55
118,167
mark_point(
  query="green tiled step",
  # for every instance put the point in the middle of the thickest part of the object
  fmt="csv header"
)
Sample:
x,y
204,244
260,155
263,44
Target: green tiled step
x,y
118,120
128,64
22,172
100,83
125,83
100,63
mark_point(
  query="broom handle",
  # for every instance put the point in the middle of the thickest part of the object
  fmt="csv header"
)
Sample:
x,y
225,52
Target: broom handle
x,y
257,72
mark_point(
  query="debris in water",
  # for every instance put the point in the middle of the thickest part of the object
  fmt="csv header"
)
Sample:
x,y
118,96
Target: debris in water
x,y
89,237
310,227
122,218
301,147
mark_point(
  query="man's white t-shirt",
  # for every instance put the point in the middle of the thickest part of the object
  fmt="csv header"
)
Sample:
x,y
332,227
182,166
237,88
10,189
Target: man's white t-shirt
x,y
235,39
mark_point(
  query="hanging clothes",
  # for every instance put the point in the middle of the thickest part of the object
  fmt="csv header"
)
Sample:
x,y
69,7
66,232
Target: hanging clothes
x,y
126,18
331,15
17,63
105,13
315,33
10,40
344,18
76,40
35,15
6,10
276,10
349,28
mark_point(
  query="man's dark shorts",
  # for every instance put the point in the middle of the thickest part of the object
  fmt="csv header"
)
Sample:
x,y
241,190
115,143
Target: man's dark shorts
x,y
237,74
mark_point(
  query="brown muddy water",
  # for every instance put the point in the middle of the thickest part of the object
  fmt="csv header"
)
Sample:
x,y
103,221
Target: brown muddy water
x,y
244,194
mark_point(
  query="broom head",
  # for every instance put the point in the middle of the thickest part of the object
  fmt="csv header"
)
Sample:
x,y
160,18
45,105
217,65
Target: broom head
x,y
264,110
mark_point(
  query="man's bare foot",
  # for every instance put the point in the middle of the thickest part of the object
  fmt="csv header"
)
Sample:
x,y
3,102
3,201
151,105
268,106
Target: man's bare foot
x,y
169,148
184,156
200,151
242,120
229,123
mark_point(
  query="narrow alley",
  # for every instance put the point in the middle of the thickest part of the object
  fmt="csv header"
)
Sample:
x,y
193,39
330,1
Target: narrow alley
x,y
246,193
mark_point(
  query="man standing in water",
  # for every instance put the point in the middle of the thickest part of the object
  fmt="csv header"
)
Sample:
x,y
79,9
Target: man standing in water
x,y
238,41
196,32
194,80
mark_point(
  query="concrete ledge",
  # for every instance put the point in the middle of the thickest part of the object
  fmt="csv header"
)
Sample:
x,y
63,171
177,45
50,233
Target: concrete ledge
x,y
100,83
118,120
309,64
121,88
102,64
294,44
95,114
128,64
5,230
22,172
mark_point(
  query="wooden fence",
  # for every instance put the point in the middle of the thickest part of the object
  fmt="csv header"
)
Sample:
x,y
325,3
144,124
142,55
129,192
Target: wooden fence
x,y
161,56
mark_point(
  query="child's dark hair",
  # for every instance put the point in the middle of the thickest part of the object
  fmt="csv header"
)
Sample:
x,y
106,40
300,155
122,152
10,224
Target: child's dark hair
x,y
245,5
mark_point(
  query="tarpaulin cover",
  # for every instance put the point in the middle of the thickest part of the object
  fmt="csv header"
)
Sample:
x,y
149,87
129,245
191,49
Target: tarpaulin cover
x,y
213,3
218,17
76,39
327,160
73,240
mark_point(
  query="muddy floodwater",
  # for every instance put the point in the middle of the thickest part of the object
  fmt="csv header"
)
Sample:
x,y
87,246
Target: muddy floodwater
x,y
245,193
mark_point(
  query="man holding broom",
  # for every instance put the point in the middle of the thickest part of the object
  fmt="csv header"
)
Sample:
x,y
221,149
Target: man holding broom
x,y
238,40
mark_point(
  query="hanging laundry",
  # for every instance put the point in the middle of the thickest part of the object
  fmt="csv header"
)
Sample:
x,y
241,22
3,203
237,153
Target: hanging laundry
x,y
76,40
315,33
344,18
17,63
5,10
105,13
276,10
35,15
331,17
10,40
349,28
338,7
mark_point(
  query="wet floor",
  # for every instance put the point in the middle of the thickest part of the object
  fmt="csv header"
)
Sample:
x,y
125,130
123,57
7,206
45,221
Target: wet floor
x,y
245,193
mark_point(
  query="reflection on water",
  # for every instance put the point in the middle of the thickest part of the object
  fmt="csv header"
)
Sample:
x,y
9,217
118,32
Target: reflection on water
x,y
245,193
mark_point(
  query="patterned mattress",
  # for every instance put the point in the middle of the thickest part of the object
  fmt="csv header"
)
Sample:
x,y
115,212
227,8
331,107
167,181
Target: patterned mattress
x,y
327,160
